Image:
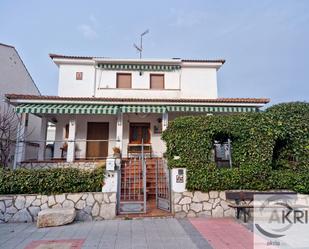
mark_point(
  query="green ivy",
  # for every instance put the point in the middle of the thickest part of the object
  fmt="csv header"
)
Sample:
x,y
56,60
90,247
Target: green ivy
x,y
51,181
265,145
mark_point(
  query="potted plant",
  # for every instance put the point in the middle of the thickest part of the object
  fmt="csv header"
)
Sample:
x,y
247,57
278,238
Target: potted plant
x,y
116,153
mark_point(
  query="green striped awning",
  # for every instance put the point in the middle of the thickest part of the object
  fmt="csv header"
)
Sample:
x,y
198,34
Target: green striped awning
x,y
37,108
178,108
41,108
139,67
143,109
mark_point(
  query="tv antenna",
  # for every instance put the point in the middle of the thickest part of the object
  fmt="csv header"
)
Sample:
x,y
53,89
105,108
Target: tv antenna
x,y
140,47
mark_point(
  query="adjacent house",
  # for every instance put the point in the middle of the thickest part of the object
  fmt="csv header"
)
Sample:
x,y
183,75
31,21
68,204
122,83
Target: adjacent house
x,y
15,78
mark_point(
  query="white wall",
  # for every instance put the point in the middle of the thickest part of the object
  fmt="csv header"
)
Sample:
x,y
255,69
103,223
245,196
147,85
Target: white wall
x,y
190,81
199,83
14,78
69,86
107,79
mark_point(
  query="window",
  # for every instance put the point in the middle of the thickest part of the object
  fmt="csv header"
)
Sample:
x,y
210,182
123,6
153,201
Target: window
x,y
124,80
222,152
79,75
156,81
66,131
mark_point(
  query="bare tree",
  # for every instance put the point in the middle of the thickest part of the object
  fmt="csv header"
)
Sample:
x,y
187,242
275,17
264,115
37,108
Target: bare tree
x,y
9,121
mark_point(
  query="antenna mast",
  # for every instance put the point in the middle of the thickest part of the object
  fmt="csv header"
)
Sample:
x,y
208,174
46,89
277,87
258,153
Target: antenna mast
x,y
140,48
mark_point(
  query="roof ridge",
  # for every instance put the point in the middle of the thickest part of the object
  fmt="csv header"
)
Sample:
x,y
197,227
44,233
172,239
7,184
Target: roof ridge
x,y
7,45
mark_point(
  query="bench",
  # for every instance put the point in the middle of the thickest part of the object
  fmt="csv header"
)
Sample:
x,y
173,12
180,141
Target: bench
x,y
243,200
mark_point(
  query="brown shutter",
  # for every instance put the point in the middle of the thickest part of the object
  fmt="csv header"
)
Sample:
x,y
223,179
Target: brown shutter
x,y
124,80
156,81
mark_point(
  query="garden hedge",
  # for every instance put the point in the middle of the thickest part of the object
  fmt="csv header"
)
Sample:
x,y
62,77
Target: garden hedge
x,y
265,145
50,181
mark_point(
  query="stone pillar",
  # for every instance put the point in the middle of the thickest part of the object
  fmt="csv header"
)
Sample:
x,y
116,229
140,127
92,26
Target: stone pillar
x,y
71,141
43,132
119,131
164,121
20,143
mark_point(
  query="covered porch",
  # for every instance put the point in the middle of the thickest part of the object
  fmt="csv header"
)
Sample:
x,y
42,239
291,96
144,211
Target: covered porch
x,y
93,129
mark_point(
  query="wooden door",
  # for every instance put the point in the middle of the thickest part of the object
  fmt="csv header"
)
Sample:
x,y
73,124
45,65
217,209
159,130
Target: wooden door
x,y
97,149
139,132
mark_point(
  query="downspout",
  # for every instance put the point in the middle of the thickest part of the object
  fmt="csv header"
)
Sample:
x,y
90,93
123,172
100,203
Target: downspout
x,y
95,80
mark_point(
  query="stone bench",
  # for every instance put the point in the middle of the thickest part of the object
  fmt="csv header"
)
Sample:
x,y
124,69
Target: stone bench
x,y
52,217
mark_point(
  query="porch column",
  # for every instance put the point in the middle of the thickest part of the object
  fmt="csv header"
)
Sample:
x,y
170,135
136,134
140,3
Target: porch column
x,y
41,154
20,143
71,141
164,121
119,130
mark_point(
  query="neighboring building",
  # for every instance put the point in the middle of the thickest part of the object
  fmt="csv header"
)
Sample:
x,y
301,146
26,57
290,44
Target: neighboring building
x,y
15,78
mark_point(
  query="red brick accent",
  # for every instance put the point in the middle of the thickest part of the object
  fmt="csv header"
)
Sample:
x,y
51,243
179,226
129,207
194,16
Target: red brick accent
x,y
225,233
74,243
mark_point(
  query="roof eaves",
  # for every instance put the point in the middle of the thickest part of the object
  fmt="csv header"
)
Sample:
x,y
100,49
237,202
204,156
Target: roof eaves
x,y
218,100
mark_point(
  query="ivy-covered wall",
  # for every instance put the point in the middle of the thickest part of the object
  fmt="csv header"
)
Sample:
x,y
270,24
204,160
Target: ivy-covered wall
x,y
265,146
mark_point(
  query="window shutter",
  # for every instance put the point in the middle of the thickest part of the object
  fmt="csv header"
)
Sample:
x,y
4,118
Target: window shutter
x,y
157,81
124,80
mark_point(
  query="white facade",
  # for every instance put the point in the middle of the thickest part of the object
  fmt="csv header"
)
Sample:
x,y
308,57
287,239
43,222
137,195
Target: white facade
x,y
15,79
125,117
192,80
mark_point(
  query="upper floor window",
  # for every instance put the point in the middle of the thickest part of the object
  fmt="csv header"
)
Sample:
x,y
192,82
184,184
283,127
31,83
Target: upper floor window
x,y
156,81
79,75
124,80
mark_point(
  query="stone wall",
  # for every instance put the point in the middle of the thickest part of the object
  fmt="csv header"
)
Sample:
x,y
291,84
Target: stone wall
x,y
195,204
89,206
87,165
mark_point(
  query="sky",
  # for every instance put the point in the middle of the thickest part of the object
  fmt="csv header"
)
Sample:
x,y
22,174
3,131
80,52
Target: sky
x,y
265,42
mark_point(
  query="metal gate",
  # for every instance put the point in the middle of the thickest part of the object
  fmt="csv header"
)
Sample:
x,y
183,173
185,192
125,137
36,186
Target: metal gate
x,y
163,180
132,186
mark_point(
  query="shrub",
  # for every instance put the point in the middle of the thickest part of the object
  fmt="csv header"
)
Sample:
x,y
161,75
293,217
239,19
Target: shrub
x,y
50,181
247,178
263,146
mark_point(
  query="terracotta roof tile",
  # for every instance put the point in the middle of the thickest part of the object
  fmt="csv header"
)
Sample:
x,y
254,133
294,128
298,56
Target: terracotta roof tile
x,y
218,100
72,57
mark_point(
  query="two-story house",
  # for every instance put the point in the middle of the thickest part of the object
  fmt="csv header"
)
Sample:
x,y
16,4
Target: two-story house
x,y
109,105
104,103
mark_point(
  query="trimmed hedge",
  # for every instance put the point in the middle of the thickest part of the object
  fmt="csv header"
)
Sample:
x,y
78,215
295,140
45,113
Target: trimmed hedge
x,y
264,145
246,178
50,181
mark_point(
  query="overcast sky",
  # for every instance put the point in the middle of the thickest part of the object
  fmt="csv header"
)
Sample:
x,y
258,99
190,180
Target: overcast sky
x,y
265,42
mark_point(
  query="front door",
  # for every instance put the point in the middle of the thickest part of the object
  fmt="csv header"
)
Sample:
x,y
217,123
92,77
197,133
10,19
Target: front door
x,y
97,149
139,134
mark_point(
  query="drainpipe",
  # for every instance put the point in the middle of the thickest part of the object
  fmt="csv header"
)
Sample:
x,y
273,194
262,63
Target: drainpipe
x,y
95,80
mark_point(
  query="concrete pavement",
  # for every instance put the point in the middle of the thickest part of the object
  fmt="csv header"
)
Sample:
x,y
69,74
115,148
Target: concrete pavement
x,y
149,233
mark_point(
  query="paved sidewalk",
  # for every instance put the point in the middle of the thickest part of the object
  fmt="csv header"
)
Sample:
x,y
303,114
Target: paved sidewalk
x,y
164,233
